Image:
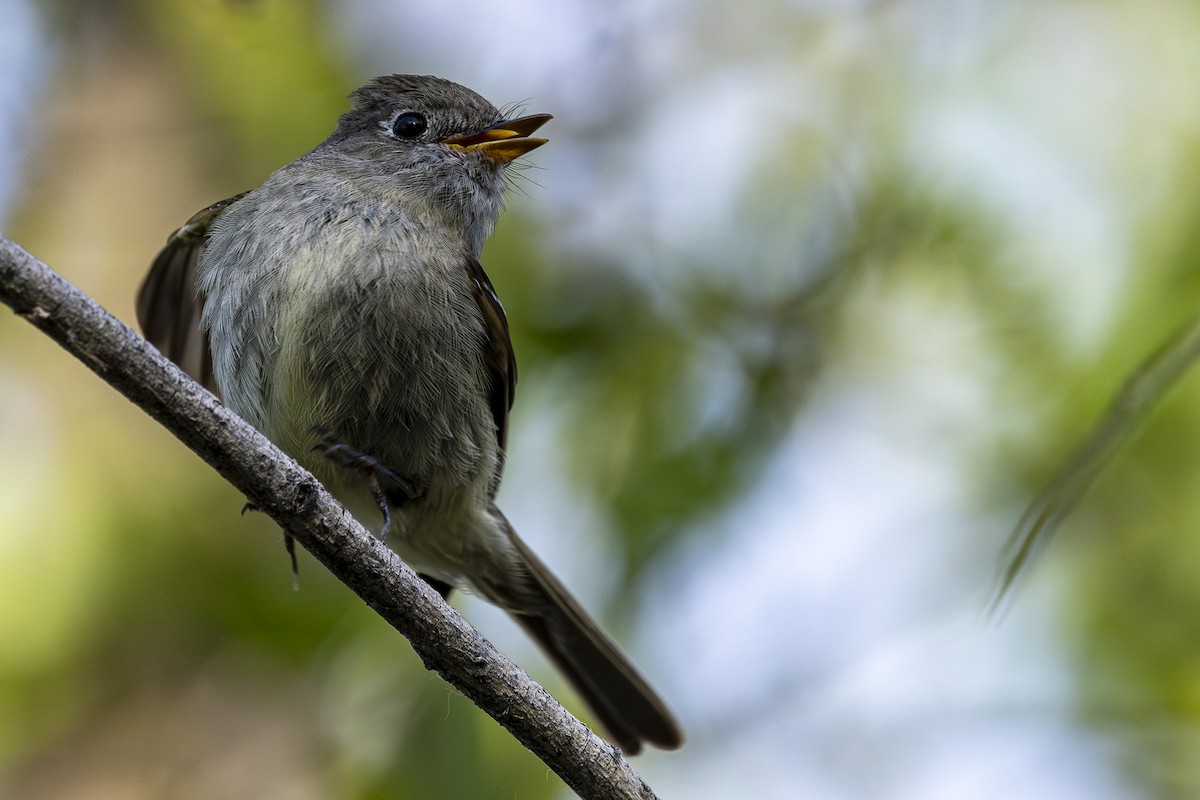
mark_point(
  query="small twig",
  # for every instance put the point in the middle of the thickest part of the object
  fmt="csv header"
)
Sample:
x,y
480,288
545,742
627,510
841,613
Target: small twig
x,y
1132,405
276,485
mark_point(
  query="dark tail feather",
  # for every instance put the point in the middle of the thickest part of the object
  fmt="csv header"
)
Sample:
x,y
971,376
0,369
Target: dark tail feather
x,y
623,703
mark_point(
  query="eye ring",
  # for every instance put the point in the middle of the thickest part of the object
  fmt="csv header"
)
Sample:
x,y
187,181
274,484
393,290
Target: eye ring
x,y
409,125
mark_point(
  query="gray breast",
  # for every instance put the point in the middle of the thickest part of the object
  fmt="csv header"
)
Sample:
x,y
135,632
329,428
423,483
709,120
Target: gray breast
x,y
360,320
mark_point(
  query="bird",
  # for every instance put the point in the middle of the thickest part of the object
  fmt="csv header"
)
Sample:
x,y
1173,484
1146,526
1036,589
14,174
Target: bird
x,y
342,310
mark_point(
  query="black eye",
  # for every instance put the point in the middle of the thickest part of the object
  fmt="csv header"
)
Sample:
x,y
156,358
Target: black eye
x,y
409,125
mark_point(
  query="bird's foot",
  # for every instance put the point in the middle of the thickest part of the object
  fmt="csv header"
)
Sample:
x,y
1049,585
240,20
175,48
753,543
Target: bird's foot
x,y
387,486
289,544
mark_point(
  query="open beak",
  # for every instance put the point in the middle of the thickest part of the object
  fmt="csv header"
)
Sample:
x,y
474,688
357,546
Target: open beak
x,y
503,141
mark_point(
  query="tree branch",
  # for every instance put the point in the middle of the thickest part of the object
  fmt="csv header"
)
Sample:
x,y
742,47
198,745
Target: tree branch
x,y
296,500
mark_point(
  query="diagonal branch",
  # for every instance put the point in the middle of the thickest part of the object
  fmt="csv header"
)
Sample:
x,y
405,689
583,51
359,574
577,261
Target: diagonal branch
x,y
296,500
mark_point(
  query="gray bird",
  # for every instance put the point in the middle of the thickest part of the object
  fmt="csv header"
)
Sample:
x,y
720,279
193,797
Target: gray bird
x,y
341,309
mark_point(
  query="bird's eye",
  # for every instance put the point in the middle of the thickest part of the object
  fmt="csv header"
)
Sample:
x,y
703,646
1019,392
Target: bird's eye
x,y
409,125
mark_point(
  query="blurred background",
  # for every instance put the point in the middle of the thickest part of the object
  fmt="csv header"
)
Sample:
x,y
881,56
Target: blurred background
x,y
809,299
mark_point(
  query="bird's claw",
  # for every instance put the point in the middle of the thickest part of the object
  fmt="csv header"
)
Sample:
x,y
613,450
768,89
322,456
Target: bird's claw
x,y
387,486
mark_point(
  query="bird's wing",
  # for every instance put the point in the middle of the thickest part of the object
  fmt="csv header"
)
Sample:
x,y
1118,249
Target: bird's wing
x,y
168,306
501,363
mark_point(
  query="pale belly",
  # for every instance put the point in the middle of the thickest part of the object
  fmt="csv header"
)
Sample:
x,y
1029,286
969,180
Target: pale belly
x,y
389,362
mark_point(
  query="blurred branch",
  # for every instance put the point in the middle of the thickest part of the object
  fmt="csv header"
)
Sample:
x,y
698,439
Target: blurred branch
x,y
296,500
1138,396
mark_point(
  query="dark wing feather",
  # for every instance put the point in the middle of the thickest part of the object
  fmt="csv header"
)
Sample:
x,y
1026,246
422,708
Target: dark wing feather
x,y
501,362
168,308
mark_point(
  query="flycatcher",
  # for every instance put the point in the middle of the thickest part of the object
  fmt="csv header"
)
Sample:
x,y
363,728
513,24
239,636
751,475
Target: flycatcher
x,y
341,309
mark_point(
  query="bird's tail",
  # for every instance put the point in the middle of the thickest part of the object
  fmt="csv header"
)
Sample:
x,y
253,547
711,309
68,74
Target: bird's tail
x,y
621,699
